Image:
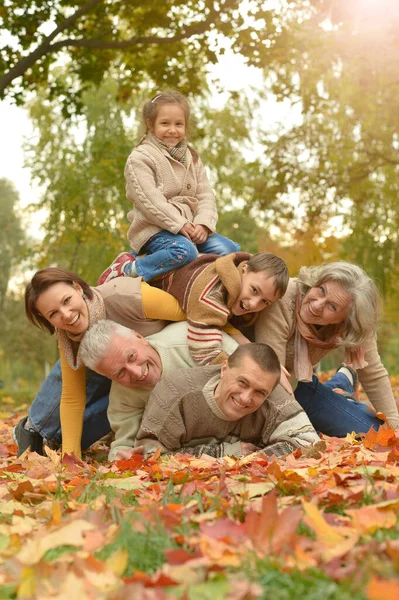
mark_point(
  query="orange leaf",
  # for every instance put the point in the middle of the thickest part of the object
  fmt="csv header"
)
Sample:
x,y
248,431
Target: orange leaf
x,y
379,589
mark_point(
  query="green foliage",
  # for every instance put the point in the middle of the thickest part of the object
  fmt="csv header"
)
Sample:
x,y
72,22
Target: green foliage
x,y
167,40
12,237
145,546
85,200
340,156
312,584
54,553
26,353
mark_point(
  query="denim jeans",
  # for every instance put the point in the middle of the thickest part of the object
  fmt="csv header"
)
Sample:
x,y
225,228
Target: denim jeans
x,y
44,412
168,251
332,413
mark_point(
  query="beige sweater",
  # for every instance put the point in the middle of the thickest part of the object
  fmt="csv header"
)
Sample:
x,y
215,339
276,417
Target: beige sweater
x,y
166,194
276,327
182,412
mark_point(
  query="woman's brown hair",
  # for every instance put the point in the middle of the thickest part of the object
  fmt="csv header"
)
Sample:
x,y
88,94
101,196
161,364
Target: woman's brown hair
x,y
42,281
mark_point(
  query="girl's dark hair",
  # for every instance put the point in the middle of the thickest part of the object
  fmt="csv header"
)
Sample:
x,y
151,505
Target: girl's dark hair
x,y
42,281
151,108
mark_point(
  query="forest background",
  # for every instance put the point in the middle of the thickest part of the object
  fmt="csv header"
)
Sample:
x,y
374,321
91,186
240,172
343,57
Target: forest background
x,y
320,184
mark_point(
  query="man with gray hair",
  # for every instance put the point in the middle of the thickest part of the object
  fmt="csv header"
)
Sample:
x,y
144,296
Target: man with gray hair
x,y
135,365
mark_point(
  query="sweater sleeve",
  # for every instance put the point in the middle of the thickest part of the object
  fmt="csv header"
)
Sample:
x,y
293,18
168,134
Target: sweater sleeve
x,y
142,189
158,304
375,381
72,407
273,328
125,411
206,213
287,426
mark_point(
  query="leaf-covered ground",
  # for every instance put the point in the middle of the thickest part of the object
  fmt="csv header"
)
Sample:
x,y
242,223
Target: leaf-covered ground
x,y
318,525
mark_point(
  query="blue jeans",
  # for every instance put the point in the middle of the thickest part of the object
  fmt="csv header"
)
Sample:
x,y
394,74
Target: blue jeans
x,y
44,412
168,251
332,413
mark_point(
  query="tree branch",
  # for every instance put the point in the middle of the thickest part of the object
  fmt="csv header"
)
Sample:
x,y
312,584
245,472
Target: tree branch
x,y
44,48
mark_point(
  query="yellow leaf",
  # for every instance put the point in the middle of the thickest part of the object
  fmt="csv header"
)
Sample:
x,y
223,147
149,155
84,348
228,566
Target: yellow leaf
x,y
117,562
71,534
56,513
250,489
27,587
324,532
53,456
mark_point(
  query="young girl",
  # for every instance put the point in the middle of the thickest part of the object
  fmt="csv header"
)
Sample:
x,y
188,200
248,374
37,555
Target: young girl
x,y
174,215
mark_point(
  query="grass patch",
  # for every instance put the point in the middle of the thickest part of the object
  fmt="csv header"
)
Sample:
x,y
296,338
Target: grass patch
x,y
55,553
145,548
312,584
9,590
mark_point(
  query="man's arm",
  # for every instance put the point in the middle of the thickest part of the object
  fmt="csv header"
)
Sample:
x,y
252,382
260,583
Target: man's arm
x,y
125,411
287,426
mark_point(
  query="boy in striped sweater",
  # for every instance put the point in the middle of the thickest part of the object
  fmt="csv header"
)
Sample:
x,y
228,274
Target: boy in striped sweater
x,y
223,292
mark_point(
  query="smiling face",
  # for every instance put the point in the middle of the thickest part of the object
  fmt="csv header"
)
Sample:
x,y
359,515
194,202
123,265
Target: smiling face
x,y
169,125
63,306
257,292
243,388
131,361
327,304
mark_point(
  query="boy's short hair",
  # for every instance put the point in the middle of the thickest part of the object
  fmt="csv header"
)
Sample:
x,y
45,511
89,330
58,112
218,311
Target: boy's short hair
x,y
273,266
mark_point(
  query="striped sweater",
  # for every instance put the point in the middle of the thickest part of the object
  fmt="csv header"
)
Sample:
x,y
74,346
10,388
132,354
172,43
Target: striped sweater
x,y
206,289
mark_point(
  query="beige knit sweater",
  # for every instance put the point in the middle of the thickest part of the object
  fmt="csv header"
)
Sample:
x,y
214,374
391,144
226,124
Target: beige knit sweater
x,y
182,412
276,327
166,194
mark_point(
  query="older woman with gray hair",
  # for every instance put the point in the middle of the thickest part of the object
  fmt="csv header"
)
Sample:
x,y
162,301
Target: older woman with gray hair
x,y
326,307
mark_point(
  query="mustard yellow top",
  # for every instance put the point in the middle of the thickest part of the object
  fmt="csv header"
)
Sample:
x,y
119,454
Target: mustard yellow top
x,y
156,304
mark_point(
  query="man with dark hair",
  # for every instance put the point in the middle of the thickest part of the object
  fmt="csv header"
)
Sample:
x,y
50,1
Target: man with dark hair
x,y
224,409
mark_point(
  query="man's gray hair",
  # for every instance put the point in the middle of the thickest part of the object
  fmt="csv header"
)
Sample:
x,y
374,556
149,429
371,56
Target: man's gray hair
x,y
97,341
361,322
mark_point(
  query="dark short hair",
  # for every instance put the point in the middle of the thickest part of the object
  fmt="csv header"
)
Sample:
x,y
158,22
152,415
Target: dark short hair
x,y
42,281
262,354
273,266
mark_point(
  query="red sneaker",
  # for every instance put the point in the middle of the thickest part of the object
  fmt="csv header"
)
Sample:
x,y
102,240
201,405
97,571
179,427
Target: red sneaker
x,y
116,268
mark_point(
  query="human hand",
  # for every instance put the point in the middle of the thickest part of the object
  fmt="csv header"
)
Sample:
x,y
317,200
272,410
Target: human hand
x,y
188,231
248,448
201,234
126,454
284,380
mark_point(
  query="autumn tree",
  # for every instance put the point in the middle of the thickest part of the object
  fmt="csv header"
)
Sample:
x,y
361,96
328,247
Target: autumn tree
x,y
338,156
169,41
12,235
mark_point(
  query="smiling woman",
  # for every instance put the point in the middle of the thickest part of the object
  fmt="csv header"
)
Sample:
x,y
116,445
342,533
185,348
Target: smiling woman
x,y
74,399
326,307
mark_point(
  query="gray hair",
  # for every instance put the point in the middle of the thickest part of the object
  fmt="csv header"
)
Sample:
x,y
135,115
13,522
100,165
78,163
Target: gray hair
x,y
361,322
97,340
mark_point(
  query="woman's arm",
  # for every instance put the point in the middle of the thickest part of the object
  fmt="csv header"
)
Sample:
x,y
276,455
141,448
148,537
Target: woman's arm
x,y
375,381
73,403
273,327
